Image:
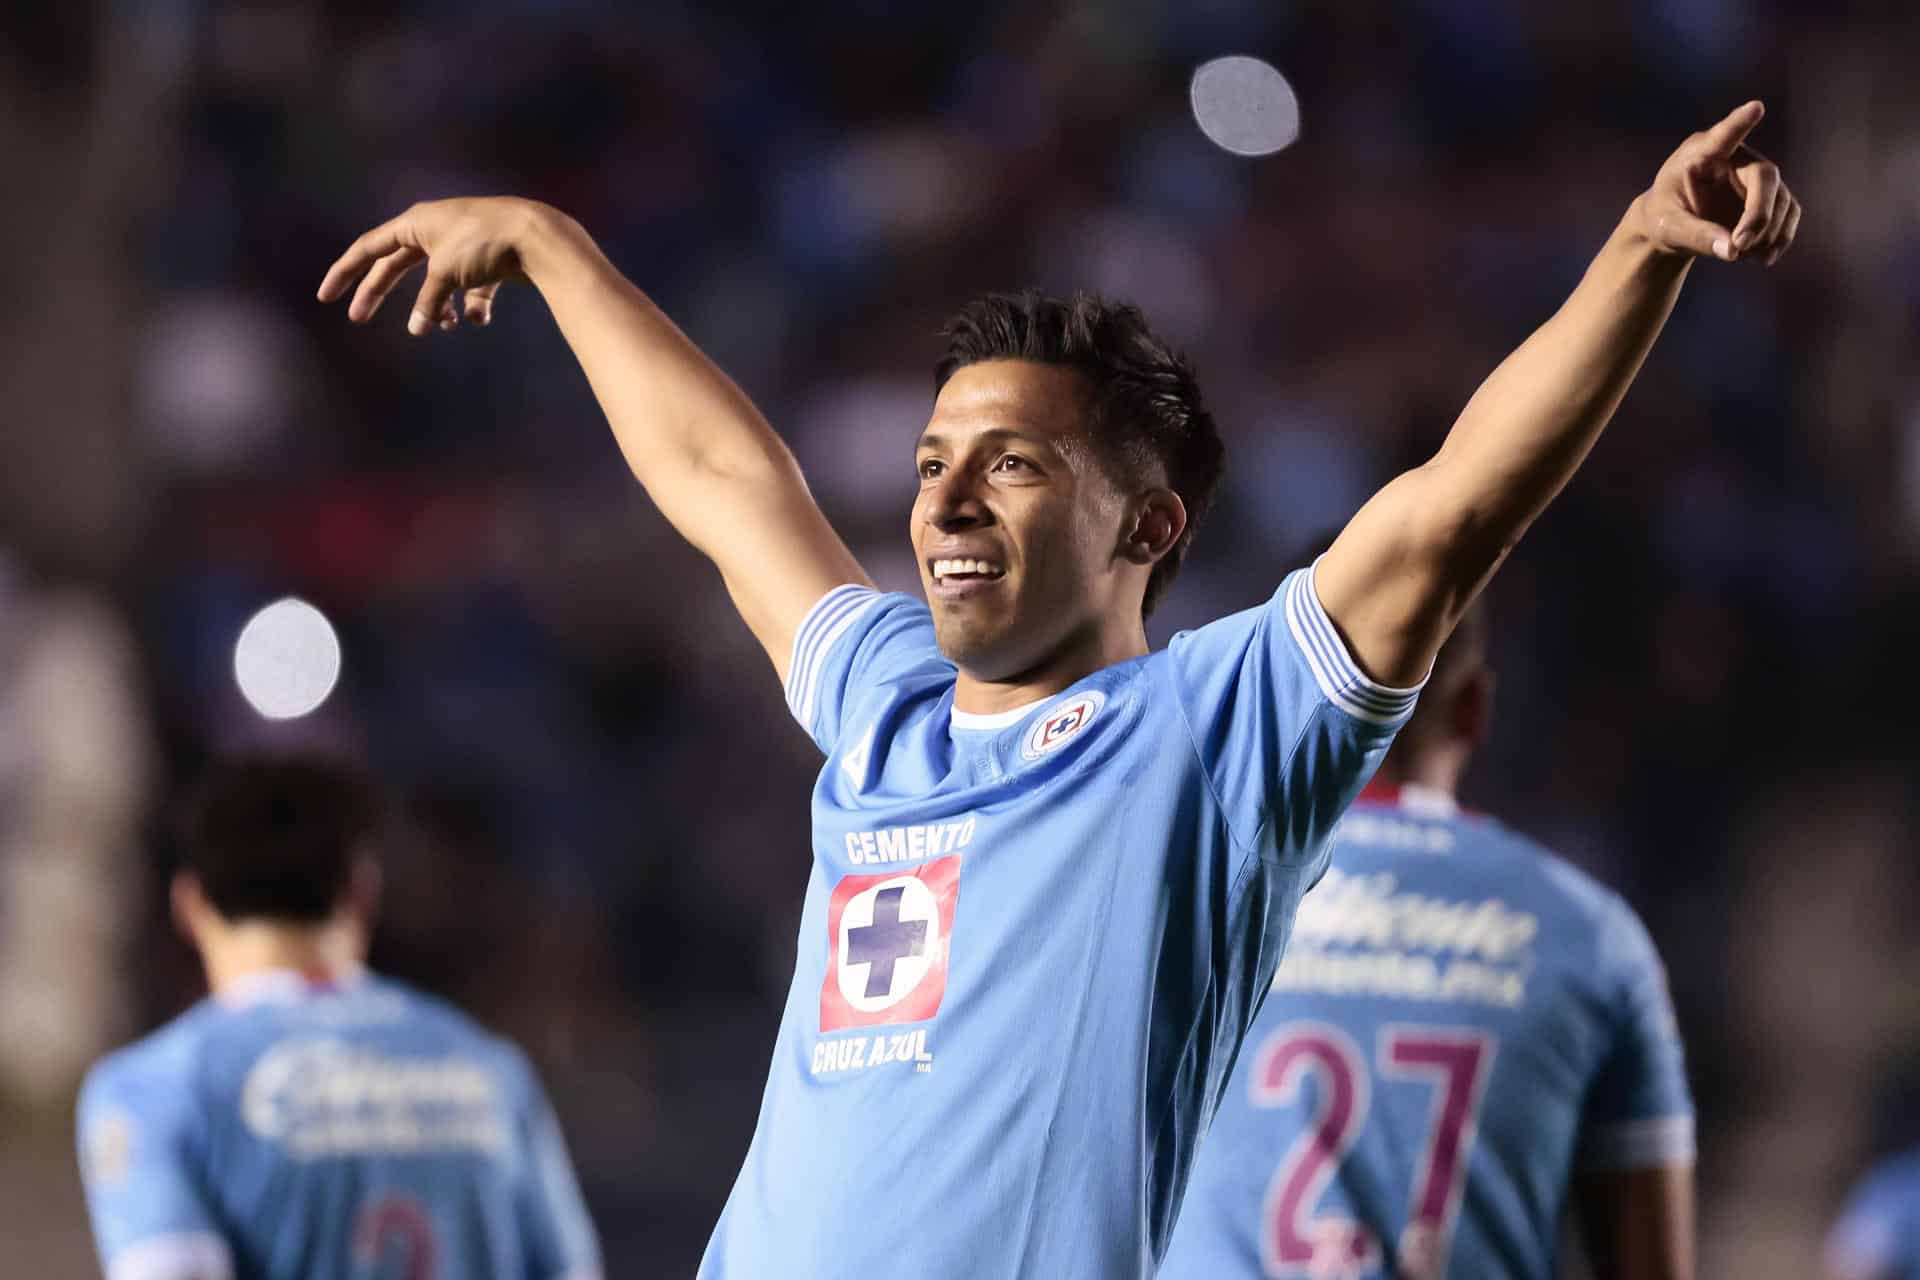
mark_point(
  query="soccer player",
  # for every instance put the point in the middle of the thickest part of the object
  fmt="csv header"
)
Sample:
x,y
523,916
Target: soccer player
x,y
1464,1028
1052,871
1878,1235
310,1118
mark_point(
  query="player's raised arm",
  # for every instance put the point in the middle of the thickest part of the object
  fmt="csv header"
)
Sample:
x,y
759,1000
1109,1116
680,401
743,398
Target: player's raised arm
x,y
703,452
1415,555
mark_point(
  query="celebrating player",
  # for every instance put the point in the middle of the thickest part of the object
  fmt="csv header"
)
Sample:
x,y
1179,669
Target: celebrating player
x,y
1053,872
1878,1234
1463,1028
311,1119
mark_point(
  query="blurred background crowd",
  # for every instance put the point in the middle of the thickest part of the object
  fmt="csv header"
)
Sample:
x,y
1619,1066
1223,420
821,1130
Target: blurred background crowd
x,y
1706,651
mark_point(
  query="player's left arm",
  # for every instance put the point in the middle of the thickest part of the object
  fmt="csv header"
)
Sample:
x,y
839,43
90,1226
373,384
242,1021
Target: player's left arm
x,y
1402,572
151,1219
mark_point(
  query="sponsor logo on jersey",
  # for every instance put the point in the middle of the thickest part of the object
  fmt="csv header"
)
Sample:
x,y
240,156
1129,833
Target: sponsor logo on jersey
x,y
319,1097
908,844
1062,723
1362,935
887,938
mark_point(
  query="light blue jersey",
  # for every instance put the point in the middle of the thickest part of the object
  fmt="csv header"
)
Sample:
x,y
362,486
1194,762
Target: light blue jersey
x,y
1461,1022
288,1130
1033,941
1878,1235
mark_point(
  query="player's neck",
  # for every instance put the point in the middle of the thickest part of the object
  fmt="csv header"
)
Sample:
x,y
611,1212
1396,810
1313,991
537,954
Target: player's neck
x,y
1071,662
329,951
1437,771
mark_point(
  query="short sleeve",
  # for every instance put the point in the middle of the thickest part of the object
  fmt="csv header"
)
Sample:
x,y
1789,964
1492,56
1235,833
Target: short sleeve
x,y
1865,1244
1639,1112
1282,717
151,1219
852,641
561,1242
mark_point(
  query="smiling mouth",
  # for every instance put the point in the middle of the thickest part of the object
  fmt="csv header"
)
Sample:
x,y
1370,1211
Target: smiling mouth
x,y
957,570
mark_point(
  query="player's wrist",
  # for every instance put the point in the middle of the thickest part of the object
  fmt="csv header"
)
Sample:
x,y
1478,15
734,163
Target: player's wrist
x,y
549,242
1640,230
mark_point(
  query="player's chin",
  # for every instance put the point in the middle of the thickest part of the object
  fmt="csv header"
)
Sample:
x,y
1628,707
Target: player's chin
x,y
973,640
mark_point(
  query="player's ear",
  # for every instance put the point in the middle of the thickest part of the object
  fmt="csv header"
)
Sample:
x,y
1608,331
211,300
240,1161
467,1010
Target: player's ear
x,y
364,885
192,914
1159,519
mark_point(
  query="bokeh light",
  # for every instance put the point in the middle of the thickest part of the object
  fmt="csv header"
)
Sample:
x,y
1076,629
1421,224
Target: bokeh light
x,y
1245,105
287,659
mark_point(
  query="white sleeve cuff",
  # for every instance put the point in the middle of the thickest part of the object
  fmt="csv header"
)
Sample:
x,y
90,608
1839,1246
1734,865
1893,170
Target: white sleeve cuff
x,y
1639,1144
185,1255
1340,678
814,639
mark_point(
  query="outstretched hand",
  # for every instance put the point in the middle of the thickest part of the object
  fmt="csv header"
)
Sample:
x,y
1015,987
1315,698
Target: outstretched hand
x,y
469,246
1717,197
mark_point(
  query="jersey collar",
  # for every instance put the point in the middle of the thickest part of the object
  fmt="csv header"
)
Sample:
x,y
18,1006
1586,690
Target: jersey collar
x,y
995,720
285,986
1410,797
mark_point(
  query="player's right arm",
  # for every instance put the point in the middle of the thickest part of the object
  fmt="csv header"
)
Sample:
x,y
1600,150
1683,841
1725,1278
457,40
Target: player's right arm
x,y
699,447
151,1219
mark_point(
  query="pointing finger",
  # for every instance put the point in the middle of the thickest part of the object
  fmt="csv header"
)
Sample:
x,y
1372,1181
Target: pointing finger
x,y
1723,138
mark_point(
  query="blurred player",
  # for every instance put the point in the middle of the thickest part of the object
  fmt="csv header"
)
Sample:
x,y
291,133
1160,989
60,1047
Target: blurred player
x,y
1053,872
310,1118
1878,1235
1463,1029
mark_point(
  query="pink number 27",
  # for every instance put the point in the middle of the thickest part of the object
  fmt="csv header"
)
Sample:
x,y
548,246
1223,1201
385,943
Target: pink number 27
x,y
1453,1060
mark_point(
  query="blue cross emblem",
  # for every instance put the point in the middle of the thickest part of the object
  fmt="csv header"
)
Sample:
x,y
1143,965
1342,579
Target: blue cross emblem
x,y
887,940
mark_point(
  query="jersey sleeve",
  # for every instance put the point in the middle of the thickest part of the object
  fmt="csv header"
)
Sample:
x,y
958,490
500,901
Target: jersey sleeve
x,y
1284,720
1639,1112
1865,1242
850,643
561,1242
151,1216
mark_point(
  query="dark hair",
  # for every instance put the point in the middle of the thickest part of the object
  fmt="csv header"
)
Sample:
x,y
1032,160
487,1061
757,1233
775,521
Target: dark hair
x,y
276,836
1146,401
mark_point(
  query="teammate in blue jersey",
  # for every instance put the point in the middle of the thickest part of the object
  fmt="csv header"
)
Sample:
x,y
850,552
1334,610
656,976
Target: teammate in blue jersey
x,y
1052,871
1464,1030
1878,1235
310,1118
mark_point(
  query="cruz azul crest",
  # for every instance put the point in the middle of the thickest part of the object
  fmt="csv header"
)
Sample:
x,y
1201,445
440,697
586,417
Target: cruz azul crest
x,y
1061,723
888,937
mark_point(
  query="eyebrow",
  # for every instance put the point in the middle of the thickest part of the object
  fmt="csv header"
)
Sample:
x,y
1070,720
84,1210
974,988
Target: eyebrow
x,y
934,440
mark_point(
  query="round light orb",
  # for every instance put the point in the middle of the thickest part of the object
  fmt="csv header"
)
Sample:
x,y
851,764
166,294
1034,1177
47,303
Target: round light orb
x,y
287,659
1245,106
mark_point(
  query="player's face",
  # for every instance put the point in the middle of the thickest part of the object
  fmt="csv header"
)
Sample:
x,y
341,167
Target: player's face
x,y
1017,522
